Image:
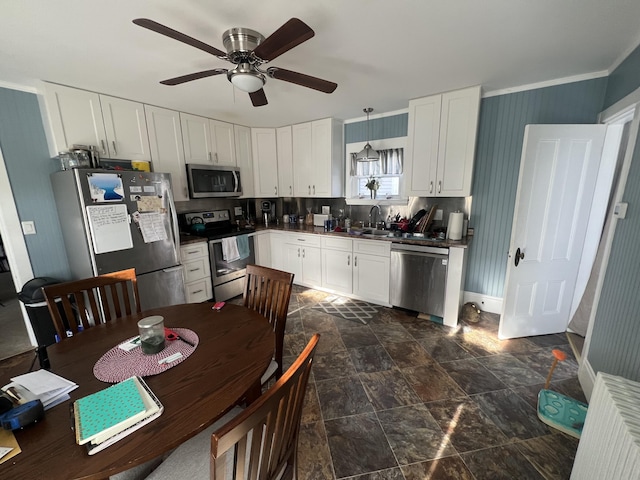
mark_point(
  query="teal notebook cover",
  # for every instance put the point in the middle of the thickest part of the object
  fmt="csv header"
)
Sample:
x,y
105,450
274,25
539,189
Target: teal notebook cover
x,y
116,405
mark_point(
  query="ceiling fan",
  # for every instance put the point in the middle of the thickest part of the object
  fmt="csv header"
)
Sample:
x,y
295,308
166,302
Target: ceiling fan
x,y
248,50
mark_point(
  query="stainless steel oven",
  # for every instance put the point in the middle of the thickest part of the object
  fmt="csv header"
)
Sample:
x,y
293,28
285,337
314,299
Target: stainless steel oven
x,y
228,272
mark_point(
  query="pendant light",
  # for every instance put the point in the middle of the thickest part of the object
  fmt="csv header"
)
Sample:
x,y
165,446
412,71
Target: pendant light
x,y
367,154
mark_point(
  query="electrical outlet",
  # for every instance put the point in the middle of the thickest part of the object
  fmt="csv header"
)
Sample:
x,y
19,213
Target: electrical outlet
x,y
438,215
237,211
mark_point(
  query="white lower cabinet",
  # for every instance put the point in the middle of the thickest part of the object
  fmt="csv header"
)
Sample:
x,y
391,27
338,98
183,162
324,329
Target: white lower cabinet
x,y
197,272
302,257
371,277
262,245
337,264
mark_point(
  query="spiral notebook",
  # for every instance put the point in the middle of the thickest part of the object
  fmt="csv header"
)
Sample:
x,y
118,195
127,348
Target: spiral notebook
x,y
102,415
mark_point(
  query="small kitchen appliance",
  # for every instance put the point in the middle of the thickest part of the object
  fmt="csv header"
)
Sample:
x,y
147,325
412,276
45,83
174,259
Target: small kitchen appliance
x,y
268,211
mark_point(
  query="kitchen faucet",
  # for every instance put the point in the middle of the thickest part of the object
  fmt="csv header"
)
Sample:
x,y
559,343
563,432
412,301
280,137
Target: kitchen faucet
x,y
371,223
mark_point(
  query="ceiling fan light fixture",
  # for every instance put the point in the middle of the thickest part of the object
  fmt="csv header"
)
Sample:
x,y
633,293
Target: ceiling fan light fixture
x,y
246,78
367,154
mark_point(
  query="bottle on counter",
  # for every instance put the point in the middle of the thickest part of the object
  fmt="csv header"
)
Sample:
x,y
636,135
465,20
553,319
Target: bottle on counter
x,y
309,219
388,222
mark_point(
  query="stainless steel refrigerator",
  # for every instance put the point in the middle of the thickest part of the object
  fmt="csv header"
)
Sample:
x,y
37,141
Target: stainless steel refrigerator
x,y
114,220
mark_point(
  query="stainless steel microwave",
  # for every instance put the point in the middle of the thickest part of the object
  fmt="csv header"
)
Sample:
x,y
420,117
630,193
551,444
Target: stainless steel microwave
x,y
211,181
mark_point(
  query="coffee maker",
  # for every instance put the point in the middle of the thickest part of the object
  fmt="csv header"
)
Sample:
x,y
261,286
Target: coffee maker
x,y
268,212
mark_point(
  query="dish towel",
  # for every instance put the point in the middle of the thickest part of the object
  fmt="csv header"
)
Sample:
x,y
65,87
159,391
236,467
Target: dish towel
x,y
243,246
230,249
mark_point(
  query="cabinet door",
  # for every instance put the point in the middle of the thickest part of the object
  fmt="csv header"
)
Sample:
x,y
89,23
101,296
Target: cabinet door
x,y
126,128
265,165
167,152
337,270
196,138
321,157
292,261
303,169
458,126
311,266
76,118
371,277
277,251
262,242
224,146
285,161
422,146
244,159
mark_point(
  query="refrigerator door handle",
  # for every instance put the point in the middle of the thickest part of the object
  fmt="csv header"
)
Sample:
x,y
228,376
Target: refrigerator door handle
x,y
172,269
174,221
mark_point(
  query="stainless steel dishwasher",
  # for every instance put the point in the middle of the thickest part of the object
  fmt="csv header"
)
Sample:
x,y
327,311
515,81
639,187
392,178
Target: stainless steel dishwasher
x,y
419,277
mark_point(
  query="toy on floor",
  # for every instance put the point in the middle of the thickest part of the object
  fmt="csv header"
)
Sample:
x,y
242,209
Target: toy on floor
x,y
557,410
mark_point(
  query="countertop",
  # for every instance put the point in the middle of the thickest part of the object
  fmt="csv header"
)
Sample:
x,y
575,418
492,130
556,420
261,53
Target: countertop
x,y
464,243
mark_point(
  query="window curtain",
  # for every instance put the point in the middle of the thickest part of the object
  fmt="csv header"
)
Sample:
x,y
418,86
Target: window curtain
x,y
390,163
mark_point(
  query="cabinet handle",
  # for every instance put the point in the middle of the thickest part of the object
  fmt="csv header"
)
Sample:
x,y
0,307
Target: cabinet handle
x,y
215,155
348,260
275,189
431,187
290,190
303,253
298,252
314,189
104,150
355,261
309,187
439,186
209,156
115,150
194,269
196,291
192,252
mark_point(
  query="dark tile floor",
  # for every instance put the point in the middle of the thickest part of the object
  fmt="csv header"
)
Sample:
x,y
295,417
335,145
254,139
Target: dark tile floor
x,y
405,398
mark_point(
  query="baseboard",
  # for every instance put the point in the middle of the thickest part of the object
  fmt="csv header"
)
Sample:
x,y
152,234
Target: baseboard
x,y
484,302
587,377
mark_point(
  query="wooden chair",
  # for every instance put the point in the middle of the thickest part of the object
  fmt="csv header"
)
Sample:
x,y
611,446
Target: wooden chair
x,y
268,291
260,443
81,304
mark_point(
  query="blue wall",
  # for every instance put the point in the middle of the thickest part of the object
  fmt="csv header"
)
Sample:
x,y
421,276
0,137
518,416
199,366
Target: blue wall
x,y
28,164
385,127
500,136
615,340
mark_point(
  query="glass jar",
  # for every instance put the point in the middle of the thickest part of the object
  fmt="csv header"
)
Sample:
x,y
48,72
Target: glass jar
x,y
151,334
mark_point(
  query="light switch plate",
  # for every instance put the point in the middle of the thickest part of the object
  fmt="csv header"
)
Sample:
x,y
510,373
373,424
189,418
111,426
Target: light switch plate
x,y
438,214
29,228
620,209
237,211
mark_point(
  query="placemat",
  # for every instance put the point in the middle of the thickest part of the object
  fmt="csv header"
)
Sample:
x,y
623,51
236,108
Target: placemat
x,y
117,364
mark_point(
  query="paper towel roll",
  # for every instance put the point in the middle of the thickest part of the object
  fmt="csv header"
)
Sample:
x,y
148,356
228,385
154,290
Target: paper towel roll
x,y
454,228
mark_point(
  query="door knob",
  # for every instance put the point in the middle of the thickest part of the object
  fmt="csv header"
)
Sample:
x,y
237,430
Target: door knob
x,y
519,256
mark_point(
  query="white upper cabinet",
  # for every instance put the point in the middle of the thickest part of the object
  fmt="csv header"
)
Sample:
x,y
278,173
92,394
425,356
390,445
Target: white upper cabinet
x,y
244,159
317,153
265,162
126,128
167,152
224,145
115,126
441,144
285,161
196,138
76,118
207,141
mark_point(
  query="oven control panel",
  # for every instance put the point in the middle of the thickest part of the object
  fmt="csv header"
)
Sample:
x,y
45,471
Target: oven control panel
x,y
208,217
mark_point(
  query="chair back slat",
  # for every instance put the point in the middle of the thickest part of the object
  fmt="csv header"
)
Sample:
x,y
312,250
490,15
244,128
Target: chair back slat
x,y
91,301
264,437
268,292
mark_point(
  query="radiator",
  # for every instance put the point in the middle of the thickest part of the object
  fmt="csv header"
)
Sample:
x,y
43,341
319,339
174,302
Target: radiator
x,y
609,447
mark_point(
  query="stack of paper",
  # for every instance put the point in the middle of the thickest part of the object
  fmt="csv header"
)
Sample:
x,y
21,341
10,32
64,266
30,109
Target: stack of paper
x,y
104,417
50,388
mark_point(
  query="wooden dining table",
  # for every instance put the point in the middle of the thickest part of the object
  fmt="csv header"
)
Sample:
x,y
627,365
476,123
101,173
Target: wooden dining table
x,y
235,347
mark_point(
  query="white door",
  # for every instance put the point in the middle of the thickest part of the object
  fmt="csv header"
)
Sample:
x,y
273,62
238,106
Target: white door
x,y
558,173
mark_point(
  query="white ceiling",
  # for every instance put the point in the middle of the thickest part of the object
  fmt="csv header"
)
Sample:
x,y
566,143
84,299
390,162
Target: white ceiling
x,y
381,53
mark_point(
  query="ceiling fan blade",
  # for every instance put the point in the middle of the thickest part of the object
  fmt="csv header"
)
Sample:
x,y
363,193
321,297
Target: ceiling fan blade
x,y
181,37
302,79
258,98
193,76
289,35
